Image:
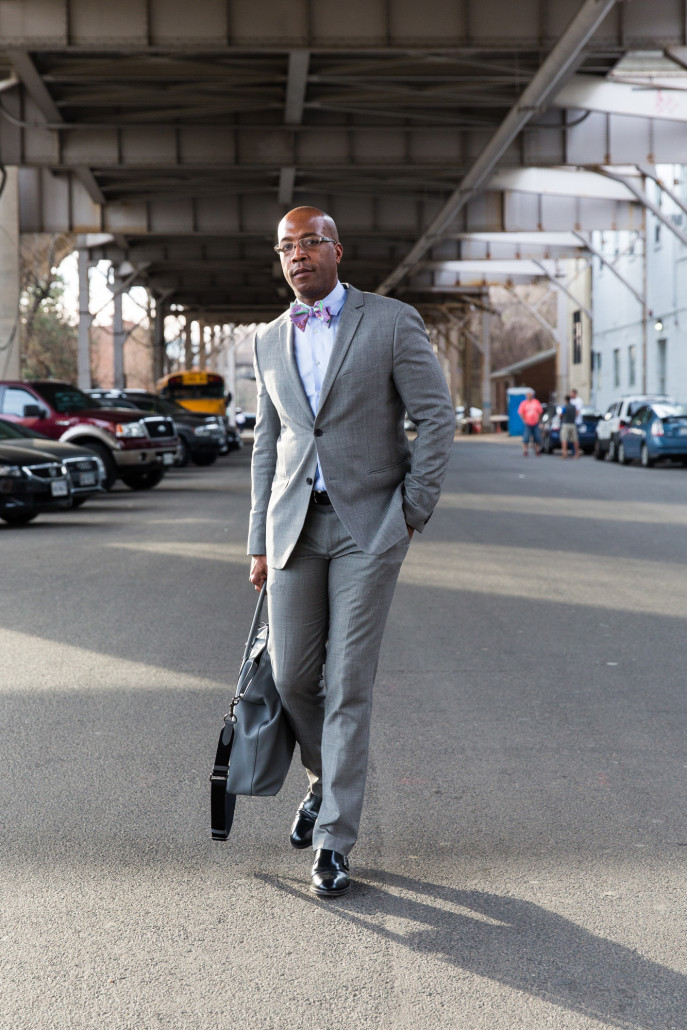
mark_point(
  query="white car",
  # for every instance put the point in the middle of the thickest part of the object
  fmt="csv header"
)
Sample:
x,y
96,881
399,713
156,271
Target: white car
x,y
469,423
616,418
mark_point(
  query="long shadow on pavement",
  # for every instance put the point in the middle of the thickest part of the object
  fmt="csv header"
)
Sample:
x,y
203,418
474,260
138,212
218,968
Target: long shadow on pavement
x,y
515,943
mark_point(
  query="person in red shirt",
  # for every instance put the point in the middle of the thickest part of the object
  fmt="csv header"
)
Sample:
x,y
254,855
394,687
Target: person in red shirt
x,y
530,411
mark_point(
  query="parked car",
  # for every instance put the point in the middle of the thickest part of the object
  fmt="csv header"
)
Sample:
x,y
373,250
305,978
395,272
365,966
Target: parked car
x,y
245,419
31,482
656,433
132,448
550,428
84,467
618,416
201,437
469,422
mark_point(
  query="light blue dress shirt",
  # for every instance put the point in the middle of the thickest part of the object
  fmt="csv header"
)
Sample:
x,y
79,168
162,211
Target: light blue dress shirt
x,y
313,347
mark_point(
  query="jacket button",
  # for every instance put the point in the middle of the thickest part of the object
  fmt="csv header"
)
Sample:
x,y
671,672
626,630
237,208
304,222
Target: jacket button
x,y
309,482
318,432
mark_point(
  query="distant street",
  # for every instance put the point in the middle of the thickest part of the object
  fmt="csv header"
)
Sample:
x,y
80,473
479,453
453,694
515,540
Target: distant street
x,y
523,854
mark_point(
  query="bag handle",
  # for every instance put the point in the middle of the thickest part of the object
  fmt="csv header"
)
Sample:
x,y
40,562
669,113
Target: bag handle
x,y
252,633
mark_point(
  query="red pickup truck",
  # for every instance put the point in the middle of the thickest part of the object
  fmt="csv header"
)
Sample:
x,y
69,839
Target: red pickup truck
x,y
135,448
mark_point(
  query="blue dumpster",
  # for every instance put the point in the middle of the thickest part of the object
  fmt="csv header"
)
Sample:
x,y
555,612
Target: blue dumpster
x,y
516,395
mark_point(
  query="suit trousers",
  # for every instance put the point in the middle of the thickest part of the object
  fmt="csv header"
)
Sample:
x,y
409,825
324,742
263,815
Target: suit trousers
x,y
328,607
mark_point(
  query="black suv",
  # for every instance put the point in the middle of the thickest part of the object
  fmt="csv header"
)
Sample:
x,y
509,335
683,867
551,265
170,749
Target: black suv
x,y
201,437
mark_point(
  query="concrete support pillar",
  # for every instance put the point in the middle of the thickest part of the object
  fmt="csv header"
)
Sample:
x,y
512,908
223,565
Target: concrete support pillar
x,y
159,355
9,278
188,344
645,311
202,344
562,333
453,352
216,342
230,382
119,338
466,341
486,365
85,320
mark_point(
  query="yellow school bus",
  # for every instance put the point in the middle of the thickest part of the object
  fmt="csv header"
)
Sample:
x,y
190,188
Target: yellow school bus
x,y
195,389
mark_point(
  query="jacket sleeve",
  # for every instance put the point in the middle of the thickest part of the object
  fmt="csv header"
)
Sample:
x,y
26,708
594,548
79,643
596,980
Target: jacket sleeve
x,y
264,460
422,387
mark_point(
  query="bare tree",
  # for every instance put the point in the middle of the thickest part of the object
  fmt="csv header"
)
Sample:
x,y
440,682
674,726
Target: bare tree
x,y
48,334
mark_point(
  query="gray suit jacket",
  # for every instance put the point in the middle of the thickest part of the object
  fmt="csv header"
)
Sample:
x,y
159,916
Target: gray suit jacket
x,y
382,365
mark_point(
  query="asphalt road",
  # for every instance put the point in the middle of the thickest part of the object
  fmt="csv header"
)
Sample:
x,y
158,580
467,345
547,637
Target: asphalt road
x,y
522,862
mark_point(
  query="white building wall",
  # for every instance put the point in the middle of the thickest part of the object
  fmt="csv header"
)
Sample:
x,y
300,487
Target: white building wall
x,y
631,354
618,316
578,330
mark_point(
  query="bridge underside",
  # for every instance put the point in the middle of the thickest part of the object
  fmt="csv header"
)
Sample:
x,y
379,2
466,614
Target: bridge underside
x,y
176,135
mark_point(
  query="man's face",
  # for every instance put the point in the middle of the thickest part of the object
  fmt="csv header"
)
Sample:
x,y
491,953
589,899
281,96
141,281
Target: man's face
x,y
311,274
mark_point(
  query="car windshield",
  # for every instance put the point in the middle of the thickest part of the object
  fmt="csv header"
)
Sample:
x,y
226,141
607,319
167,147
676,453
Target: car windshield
x,y
64,398
159,404
114,402
670,410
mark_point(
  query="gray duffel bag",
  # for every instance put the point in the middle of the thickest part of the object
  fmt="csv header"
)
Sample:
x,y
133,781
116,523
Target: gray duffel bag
x,y
256,743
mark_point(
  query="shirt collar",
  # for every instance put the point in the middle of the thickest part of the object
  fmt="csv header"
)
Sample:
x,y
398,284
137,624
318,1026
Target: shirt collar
x,y
336,299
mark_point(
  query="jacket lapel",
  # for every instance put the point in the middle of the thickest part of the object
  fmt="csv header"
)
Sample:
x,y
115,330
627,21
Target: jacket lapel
x,y
350,319
286,349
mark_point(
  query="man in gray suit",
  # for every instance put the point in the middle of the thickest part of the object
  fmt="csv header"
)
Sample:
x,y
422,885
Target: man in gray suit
x,y
337,495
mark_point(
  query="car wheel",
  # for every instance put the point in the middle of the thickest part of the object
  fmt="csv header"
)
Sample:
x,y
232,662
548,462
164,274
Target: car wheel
x,y
204,459
598,453
622,458
183,454
144,480
612,452
78,501
103,453
644,457
19,518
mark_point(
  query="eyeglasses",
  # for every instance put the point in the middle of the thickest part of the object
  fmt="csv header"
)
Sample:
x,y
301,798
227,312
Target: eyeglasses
x,y
307,243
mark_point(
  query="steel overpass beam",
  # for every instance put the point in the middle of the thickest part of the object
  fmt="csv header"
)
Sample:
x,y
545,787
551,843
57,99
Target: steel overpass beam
x,y
646,201
588,93
294,105
563,58
611,267
26,71
60,203
385,150
213,24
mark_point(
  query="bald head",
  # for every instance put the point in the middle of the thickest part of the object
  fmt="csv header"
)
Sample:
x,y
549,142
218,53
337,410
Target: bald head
x,y
306,212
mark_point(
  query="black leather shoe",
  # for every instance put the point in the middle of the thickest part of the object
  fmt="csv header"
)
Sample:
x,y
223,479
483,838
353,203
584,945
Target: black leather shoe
x,y
306,816
330,877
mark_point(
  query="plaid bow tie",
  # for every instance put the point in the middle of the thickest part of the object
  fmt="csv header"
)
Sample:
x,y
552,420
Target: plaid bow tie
x,y
300,313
